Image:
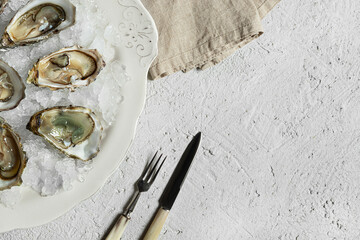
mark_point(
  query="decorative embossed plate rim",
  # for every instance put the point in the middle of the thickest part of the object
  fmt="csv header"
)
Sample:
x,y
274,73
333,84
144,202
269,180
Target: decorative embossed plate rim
x,y
138,35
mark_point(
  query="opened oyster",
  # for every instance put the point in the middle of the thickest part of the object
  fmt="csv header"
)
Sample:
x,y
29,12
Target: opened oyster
x,y
12,89
12,157
38,20
67,68
75,131
2,5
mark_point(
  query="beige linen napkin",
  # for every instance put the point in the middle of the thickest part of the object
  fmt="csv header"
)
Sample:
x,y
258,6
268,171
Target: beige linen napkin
x,y
201,33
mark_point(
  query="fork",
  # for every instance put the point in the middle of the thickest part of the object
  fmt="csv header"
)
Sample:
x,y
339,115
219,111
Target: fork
x,y
143,184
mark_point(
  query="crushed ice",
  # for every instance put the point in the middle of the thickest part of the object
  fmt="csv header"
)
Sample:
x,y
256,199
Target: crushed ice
x,y
49,171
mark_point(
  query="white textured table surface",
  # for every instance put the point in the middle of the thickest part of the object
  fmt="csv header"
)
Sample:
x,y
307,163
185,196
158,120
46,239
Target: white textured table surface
x,y
280,156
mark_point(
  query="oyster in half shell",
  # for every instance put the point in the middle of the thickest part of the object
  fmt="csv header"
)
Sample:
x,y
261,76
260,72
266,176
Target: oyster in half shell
x,y
12,89
2,5
67,68
38,20
75,131
12,157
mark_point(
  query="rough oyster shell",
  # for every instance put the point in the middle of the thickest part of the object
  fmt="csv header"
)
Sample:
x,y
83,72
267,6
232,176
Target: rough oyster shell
x,y
12,157
12,88
2,5
70,68
75,131
38,20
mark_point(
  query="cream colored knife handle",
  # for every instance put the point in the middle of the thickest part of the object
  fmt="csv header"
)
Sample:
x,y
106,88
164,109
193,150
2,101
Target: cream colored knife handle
x,y
119,228
155,228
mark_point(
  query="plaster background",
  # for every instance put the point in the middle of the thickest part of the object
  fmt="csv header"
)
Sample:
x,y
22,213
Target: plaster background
x,y
280,151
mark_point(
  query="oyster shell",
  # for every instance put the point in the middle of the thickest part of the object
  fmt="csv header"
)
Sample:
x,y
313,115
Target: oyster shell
x,y
2,5
38,20
12,89
67,68
75,131
12,157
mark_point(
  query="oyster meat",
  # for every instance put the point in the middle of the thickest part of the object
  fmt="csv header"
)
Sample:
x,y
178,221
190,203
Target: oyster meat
x,y
67,68
38,20
12,157
2,5
75,131
12,89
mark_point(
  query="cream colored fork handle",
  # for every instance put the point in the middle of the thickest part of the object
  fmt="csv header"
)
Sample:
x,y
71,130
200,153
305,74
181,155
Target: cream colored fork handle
x,y
155,228
119,228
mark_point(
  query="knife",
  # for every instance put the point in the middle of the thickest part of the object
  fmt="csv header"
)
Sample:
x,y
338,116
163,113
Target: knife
x,y
172,189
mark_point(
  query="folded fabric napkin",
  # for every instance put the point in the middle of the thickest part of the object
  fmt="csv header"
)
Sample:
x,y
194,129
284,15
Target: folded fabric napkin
x,y
201,33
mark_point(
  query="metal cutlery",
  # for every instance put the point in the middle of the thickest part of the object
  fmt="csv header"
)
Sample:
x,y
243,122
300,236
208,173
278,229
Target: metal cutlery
x,y
172,189
143,184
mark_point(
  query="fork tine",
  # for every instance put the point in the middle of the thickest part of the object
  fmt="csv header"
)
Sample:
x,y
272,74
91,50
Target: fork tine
x,y
148,166
148,176
158,170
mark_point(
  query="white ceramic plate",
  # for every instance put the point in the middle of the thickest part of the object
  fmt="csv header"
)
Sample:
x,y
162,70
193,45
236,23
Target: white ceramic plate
x,y
137,50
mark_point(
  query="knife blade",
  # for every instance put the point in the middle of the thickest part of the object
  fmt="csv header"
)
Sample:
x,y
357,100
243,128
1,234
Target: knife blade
x,y
172,189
